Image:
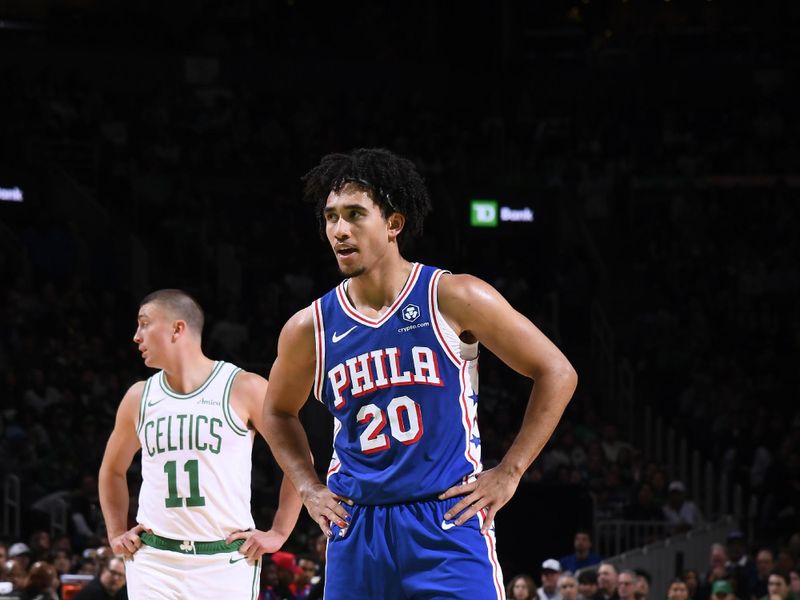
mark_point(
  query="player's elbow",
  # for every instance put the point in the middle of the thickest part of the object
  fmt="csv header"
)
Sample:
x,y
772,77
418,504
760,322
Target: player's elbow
x,y
561,374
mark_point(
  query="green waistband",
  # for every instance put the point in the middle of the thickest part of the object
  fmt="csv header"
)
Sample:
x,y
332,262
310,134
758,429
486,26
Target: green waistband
x,y
189,547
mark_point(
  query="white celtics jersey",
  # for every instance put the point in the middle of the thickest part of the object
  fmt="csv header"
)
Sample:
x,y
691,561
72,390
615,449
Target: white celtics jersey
x,y
196,460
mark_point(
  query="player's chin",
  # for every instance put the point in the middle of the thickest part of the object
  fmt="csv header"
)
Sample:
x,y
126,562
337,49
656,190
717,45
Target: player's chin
x,y
351,270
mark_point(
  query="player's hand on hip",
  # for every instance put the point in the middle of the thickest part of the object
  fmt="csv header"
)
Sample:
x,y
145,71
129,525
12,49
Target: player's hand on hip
x,y
490,492
128,543
325,508
257,542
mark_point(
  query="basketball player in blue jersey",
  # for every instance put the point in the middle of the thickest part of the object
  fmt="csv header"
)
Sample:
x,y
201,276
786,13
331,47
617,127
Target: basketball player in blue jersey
x,y
392,352
195,421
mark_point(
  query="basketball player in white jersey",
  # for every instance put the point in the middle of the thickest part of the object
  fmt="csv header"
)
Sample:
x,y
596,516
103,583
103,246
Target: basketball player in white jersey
x,y
194,421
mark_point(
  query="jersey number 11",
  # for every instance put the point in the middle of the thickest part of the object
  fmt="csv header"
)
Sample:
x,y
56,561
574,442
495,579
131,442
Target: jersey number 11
x,y
174,500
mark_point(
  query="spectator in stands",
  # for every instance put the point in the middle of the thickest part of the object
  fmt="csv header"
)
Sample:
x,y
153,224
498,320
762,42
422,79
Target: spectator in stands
x,y
587,584
13,572
693,587
42,582
318,581
287,571
308,572
722,590
40,545
778,587
568,586
717,569
611,444
551,569
583,555
785,560
626,585
643,581
606,582
765,564
794,582
3,552
741,568
521,587
62,561
681,513
109,585
678,590
271,588
645,507
21,554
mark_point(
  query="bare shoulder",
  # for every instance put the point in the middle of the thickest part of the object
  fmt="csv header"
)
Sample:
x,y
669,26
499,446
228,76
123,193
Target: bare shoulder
x,y
301,322
297,335
128,411
247,385
463,298
461,288
247,395
133,396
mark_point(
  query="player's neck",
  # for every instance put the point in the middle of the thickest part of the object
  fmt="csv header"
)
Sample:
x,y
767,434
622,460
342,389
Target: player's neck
x,y
378,287
189,371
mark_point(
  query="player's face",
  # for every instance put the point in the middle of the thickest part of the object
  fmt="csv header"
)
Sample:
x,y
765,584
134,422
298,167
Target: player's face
x,y
153,334
357,231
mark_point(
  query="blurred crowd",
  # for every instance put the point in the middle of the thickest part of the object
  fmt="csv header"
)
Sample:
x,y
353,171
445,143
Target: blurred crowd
x,y
669,199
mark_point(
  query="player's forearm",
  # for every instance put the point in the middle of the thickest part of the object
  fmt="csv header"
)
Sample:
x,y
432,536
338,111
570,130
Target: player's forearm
x,y
289,444
114,502
550,395
289,506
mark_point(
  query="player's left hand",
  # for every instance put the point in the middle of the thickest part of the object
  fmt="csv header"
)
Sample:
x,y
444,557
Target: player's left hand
x,y
257,542
490,491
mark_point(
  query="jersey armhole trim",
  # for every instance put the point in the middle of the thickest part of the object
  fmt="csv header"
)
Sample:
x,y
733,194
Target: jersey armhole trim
x,y
143,404
319,348
439,322
226,405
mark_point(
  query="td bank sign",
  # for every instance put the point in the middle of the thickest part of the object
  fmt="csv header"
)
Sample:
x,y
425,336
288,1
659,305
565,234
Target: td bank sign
x,y
487,213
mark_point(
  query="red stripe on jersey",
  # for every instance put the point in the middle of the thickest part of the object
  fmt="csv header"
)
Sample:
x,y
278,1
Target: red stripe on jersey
x,y
465,413
319,330
404,293
434,310
498,585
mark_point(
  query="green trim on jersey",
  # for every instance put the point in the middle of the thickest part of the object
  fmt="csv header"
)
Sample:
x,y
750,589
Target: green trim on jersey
x,y
143,404
256,580
188,547
170,392
226,405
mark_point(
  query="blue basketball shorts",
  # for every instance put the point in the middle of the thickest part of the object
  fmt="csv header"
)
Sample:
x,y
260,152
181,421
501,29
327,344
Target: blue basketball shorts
x,y
408,551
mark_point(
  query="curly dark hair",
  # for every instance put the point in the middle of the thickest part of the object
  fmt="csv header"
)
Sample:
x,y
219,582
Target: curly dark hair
x,y
392,182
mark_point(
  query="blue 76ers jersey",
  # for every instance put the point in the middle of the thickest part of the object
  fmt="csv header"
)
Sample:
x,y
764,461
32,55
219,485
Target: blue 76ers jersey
x,y
403,392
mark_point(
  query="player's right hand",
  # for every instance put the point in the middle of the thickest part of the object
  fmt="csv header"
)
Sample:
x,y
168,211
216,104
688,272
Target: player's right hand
x,y
127,543
325,508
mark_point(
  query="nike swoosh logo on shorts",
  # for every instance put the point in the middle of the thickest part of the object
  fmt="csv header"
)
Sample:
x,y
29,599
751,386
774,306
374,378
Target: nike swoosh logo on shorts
x,y
237,560
446,525
335,338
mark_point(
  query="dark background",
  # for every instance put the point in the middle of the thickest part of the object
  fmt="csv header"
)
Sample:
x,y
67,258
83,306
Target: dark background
x,y
161,145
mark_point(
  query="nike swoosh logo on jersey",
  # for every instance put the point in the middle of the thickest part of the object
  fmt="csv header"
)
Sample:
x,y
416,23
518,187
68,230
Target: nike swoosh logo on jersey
x,y
446,525
231,561
335,338
154,402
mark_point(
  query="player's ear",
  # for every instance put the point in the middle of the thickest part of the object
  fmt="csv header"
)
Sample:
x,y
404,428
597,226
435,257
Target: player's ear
x,y
178,329
396,222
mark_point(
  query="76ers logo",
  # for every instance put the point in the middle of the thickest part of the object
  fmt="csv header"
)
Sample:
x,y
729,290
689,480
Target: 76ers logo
x,y
411,312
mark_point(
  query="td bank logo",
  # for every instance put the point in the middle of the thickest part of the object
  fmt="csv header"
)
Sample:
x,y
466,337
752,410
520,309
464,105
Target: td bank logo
x,y
483,213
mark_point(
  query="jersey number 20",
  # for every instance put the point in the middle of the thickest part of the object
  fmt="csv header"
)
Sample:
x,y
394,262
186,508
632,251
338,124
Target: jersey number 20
x,y
372,440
